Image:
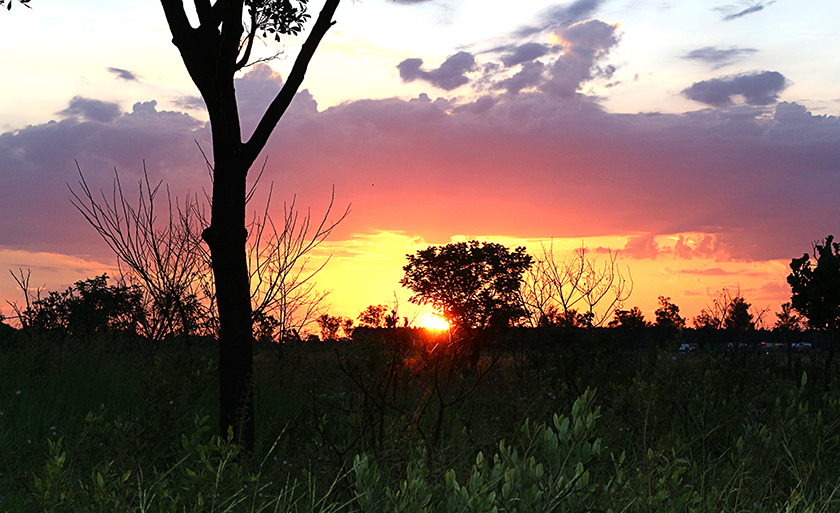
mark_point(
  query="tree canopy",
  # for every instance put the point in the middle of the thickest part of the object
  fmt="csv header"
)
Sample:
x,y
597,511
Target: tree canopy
x,y
632,319
815,285
474,285
668,314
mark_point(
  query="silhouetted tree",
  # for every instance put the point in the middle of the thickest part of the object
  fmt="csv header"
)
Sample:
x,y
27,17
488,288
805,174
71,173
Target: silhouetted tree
x,y
374,316
815,288
331,325
787,321
167,260
473,285
554,316
578,284
633,319
164,256
714,316
730,311
87,308
668,314
213,52
738,316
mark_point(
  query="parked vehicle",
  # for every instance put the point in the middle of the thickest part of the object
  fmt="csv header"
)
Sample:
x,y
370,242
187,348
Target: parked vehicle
x,y
688,349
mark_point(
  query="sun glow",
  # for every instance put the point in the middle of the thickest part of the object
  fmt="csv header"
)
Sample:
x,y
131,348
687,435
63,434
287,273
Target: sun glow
x,y
434,322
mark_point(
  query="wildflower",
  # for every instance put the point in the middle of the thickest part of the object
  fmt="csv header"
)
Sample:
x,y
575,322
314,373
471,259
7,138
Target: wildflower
x,y
17,393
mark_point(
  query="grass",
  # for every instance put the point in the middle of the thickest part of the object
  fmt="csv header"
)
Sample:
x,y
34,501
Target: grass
x,y
104,425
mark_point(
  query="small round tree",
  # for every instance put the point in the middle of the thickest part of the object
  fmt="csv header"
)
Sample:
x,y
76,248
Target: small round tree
x,y
473,285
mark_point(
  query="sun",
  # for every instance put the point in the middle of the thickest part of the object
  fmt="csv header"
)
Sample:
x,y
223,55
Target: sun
x,y
434,321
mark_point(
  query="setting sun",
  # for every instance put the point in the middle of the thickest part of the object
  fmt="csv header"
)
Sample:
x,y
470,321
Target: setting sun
x,y
434,322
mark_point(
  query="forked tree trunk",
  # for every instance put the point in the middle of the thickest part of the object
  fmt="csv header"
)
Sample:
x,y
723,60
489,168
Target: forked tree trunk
x,y
211,54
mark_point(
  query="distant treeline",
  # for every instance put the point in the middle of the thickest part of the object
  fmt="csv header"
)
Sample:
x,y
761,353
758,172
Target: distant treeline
x,y
621,338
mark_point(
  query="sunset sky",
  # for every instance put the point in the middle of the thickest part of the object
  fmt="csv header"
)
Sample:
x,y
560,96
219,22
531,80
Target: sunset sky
x,y
698,138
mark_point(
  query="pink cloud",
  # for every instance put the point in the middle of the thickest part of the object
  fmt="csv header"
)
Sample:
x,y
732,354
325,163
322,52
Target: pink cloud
x,y
526,166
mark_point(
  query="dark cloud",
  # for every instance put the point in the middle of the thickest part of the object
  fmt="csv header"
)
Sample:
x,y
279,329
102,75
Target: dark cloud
x,y
189,102
719,57
92,110
758,88
124,74
450,75
560,16
748,10
531,75
733,12
524,53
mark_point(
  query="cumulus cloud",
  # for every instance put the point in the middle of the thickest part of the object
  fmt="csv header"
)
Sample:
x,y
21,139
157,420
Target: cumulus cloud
x,y
92,110
641,246
758,88
700,245
560,69
719,57
124,74
450,75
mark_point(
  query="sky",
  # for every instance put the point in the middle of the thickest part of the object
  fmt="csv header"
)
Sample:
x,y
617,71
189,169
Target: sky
x,y
698,139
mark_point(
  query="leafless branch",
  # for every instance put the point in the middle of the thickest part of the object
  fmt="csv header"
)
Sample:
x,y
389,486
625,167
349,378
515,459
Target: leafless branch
x,y
575,285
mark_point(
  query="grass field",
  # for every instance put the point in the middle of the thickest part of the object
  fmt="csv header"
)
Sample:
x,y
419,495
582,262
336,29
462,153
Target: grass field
x,y
378,425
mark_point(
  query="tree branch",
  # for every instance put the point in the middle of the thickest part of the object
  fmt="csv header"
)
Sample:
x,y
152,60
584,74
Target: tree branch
x,y
205,13
252,33
177,19
281,102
